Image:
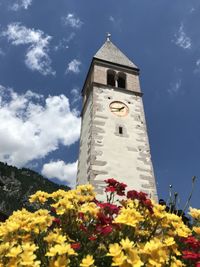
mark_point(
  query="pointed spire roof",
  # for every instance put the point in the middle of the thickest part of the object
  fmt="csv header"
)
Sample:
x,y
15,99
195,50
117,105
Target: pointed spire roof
x,y
110,53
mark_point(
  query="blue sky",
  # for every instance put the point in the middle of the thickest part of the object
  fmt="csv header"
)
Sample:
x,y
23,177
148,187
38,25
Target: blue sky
x,y
45,51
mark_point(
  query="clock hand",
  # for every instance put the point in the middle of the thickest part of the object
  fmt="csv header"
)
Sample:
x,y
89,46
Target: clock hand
x,y
115,108
121,108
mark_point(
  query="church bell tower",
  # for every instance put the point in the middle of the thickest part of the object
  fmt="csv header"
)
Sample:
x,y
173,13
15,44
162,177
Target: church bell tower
x,y
114,141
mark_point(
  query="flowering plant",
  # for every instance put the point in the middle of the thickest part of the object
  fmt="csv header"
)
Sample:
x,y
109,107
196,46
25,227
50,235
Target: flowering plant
x,y
78,230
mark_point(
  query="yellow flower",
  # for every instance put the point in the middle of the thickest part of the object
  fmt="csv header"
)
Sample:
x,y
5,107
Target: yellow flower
x,y
39,196
119,259
87,261
13,226
58,194
195,213
114,250
86,188
159,211
176,263
60,249
196,230
169,241
126,244
4,247
129,216
134,259
85,193
14,251
89,208
28,256
60,261
13,262
156,251
55,237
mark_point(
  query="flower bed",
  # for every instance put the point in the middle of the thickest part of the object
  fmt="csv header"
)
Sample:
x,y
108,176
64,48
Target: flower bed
x,y
78,230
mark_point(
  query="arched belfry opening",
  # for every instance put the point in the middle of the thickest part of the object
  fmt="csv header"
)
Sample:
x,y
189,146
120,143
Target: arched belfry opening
x,y
121,80
111,77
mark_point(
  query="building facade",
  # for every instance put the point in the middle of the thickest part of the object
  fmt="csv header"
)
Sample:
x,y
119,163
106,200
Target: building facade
x,y
114,140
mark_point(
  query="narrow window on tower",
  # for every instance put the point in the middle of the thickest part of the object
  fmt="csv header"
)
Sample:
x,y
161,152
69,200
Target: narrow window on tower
x,y
111,77
121,80
120,130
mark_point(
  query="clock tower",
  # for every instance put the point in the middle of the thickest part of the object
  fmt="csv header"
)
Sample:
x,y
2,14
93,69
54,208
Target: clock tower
x,y
114,141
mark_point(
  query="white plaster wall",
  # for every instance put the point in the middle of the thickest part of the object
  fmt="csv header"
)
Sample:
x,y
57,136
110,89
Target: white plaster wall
x,y
125,158
85,143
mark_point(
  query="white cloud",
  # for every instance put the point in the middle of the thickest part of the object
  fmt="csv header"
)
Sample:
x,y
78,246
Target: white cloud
x,y
175,87
74,66
197,68
111,18
63,43
1,52
37,58
116,22
182,40
31,127
76,95
62,171
72,20
198,63
192,10
19,4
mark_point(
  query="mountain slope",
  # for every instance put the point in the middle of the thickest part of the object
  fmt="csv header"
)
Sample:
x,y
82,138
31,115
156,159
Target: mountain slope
x,y
16,185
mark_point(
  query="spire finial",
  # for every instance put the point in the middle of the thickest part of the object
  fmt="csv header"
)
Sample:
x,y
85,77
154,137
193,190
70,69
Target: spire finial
x,y
108,37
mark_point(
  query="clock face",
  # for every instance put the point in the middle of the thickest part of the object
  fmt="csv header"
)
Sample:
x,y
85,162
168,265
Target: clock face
x,y
118,108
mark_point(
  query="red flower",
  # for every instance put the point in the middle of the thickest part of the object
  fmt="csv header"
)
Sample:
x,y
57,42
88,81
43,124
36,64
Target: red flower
x,y
53,209
104,219
92,238
81,215
121,189
132,194
190,255
110,189
142,197
148,204
114,186
197,264
109,208
111,182
57,221
75,246
192,241
104,230
83,228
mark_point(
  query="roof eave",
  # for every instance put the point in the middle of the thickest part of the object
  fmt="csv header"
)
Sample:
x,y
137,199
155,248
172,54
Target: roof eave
x,y
116,64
